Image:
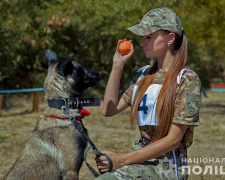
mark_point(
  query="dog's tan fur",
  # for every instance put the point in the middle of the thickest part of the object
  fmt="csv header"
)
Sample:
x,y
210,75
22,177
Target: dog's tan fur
x,y
56,85
54,148
46,155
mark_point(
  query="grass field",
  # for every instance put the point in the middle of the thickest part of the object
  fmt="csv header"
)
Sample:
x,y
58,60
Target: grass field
x,y
114,134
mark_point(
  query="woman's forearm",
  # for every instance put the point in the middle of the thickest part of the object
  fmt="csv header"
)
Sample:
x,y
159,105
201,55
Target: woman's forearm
x,y
151,151
158,148
112,91
110,103
154,150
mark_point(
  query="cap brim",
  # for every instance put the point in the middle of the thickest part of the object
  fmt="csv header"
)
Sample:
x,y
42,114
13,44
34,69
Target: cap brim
x,y
142,30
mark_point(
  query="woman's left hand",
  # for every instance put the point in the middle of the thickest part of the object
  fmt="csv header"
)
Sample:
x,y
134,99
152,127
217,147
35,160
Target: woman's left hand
x,y
103,164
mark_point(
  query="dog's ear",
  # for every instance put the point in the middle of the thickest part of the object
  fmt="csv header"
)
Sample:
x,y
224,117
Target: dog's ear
x,y
50,57
65,66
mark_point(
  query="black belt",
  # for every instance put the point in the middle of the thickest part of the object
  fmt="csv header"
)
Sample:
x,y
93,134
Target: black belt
x,y
73,103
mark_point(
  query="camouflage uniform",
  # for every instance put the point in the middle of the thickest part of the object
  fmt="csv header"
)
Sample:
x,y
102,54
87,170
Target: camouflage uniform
x,y
146,170
184,113
187,105
156,19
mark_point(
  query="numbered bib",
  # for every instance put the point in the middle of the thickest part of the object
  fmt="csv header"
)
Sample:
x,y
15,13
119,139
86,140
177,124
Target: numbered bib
x,y
147,106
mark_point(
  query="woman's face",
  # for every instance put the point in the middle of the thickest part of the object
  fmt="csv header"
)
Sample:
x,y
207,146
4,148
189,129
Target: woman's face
x,y
155,44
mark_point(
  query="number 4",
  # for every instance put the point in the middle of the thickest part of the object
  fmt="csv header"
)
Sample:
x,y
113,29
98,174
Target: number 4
x,y
143,107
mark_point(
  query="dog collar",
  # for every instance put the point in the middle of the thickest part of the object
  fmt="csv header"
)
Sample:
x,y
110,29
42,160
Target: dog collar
x,y
73,103
83,113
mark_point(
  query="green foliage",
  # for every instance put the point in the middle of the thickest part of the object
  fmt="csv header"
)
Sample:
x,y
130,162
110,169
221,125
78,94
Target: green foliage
x,y
217,81
4,138
89,31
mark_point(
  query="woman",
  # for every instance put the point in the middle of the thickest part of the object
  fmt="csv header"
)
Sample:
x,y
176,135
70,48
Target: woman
x,y
165,99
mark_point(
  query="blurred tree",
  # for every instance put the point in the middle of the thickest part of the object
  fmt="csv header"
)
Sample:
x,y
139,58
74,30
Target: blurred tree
x,y
90,29
204,22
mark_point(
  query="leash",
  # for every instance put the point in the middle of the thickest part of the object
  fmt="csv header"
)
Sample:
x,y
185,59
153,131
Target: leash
x,y
175,161
92,145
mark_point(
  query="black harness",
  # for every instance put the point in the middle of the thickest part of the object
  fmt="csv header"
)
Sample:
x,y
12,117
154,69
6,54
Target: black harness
x,y
78,103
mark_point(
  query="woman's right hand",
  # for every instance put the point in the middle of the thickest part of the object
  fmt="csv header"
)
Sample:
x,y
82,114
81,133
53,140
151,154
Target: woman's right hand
x,y
119,59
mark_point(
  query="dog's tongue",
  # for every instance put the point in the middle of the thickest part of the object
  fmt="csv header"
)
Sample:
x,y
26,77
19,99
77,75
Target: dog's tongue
x,y
83,113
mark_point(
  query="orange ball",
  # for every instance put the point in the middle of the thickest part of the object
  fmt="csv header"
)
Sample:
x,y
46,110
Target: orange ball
x,y
125,47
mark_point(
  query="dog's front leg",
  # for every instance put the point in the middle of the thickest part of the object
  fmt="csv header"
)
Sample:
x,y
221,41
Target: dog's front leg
x,y
68,168
70,153
69,175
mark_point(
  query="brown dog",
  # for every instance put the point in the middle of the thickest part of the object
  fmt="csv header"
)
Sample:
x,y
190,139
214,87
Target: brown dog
x,y
55,148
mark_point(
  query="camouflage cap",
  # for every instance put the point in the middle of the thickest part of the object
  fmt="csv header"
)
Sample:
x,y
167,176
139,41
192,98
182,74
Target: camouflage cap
x,y
156,19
